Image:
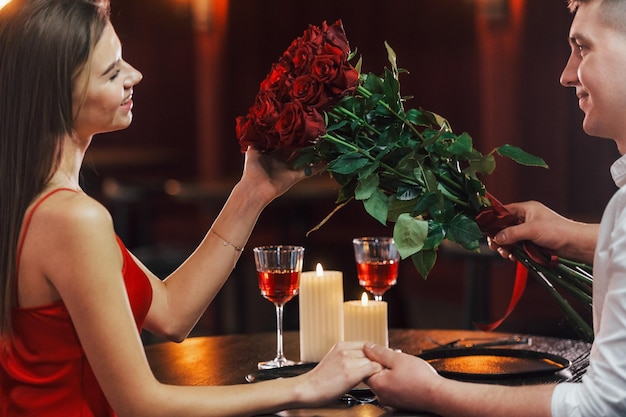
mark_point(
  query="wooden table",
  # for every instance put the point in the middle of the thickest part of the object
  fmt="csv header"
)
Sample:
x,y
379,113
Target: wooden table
x,y
226,360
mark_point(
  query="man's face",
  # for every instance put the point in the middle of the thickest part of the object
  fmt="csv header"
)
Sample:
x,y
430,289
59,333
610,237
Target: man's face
x,y
597,69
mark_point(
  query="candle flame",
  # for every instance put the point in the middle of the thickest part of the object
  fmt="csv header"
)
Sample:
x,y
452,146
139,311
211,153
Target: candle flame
x,y
364,299
319,271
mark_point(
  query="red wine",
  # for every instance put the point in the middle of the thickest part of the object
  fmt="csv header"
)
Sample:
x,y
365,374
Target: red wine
x,y
378,276
279,286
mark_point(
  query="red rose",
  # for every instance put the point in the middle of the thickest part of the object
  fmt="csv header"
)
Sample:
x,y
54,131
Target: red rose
x,y
242,126
250,134
311,74
265,110
336,35
313,35
257,128
275,79
492,219
326,64
298,128
309,91
303,55
347,80
331,68
302,50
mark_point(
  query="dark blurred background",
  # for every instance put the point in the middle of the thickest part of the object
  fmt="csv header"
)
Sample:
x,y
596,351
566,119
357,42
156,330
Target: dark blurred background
x,y
491,67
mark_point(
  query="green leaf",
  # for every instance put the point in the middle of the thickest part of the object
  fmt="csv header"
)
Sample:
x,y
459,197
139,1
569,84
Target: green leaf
x,y
369,169
462,145
366,187
377,206
424,262
391,89
408,192
441,122
431,180
435,235
427,201
417,117
347,163
483,165
520,156
409,234
396,207
464,231
393,59
373,83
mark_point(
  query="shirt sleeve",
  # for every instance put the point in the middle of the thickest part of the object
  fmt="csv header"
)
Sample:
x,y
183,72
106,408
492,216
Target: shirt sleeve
x,y
602,391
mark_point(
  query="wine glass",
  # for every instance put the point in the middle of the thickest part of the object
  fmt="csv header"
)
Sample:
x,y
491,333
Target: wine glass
x,y
377,262
278,269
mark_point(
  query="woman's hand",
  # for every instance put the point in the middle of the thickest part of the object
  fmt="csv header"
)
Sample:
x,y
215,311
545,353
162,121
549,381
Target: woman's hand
x,y
271,173
344,367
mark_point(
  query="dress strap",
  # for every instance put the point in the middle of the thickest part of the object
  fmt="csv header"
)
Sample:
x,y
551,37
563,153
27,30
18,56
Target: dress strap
x,y
28,219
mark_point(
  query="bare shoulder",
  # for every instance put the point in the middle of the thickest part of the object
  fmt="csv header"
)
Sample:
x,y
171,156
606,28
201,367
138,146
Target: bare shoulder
x,y
67,217
69,234
71,207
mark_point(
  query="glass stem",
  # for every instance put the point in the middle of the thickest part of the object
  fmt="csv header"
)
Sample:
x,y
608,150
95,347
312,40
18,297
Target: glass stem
x,y
280,357
378,297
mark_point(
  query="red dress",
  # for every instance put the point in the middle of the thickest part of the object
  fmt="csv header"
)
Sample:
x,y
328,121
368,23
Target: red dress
x,y
44,372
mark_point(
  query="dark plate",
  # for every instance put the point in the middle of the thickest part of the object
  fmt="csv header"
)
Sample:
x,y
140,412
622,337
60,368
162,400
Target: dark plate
x,y
489,363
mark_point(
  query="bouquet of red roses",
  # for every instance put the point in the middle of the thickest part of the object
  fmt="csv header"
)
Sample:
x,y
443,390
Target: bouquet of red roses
x,y
310,76
406,166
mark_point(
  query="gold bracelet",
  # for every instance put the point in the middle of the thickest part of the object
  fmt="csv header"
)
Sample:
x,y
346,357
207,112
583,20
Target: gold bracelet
x,y
226,242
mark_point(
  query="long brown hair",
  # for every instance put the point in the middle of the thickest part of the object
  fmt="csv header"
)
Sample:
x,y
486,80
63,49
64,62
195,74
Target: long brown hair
x,y
44,44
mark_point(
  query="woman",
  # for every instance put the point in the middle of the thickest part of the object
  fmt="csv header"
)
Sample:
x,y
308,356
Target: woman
x,y
72,305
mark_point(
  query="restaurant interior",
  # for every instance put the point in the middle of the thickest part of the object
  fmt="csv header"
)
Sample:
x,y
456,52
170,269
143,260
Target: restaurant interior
x,y
491,67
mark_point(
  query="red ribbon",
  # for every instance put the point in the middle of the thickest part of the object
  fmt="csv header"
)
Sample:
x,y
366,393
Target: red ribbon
x,y
492,220
521,276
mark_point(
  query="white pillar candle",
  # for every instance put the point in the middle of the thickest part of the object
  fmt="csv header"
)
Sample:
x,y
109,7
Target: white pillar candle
x,y
366,320
321,312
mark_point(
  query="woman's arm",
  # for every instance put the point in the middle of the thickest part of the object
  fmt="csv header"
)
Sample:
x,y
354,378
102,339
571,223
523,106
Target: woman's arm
x,y
182,298
84,265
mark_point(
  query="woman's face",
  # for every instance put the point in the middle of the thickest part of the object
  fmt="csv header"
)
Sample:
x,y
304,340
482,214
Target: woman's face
x,y
102,98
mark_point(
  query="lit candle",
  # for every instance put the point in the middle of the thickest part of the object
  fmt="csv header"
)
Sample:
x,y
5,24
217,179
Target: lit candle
x,y
366,320
321,312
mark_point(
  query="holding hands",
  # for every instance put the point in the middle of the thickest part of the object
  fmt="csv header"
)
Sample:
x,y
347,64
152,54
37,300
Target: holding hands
x,y
343,368
405,382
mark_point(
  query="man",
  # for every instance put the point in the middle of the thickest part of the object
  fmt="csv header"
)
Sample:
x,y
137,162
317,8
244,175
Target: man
x,y
597,70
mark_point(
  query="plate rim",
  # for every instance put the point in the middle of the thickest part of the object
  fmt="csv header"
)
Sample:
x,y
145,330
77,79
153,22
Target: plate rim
x,y
563,362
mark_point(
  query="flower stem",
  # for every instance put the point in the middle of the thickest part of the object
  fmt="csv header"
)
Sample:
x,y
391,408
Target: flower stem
x,y
341,141
456,185
580,279
451,196
584,269
368,94
353,117
584,330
